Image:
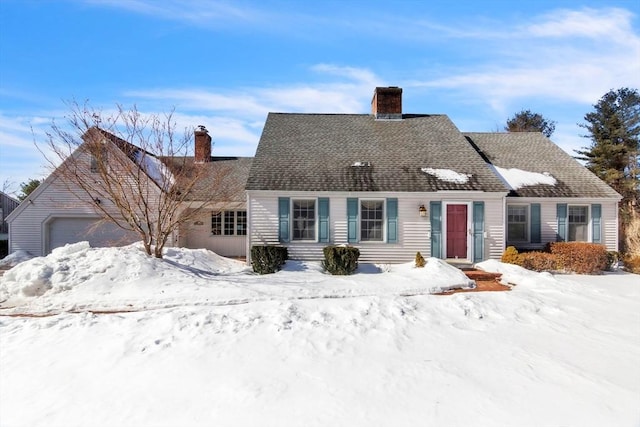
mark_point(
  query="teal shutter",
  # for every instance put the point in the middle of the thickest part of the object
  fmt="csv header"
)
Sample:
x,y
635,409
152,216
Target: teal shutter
x,y
435,216
561,214
535,231
392,220
352,220
283,219
323,219
596,221
478,231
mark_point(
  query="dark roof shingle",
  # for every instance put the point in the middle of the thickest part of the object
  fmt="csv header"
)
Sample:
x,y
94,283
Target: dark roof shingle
x,y
533,152
316,152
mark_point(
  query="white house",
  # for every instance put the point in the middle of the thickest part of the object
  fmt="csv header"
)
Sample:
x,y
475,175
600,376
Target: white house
x,y
58,212
393,184
390,183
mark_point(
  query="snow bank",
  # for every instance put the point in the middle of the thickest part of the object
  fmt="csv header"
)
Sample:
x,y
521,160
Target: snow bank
x,y
15,258
220,344
78,277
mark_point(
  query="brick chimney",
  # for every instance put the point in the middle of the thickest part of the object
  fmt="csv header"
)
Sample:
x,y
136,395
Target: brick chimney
x,y
387,103
202,145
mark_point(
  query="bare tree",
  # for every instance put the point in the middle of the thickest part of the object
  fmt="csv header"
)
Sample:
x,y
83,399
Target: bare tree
x,y
133,170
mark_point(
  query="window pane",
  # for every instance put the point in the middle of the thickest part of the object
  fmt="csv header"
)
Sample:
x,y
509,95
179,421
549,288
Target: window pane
x,y
517,223
229,225
304,220
241,223
517,232
371,225
578,224
216,223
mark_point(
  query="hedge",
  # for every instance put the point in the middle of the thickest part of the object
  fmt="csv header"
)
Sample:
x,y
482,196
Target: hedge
x,y
581,257
268,259
340,260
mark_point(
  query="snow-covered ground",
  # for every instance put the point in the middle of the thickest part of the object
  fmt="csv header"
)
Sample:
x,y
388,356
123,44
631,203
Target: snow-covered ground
x,y
198,340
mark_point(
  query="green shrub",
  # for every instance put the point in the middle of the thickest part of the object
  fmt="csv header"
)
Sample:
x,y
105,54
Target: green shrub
x,y
539,261
511,256
268,259
420,262
581,257
340,260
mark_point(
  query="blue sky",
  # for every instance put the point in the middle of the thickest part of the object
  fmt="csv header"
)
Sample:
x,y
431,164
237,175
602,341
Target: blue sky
x,y
226,64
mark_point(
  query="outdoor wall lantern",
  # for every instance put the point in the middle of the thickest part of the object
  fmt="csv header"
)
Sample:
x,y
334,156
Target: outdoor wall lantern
x,y
422,210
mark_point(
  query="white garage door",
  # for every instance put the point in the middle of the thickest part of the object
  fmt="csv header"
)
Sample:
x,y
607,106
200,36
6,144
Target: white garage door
x,y
73,230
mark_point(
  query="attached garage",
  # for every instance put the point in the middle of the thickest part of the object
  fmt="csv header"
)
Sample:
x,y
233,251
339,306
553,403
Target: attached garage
x,y
63,230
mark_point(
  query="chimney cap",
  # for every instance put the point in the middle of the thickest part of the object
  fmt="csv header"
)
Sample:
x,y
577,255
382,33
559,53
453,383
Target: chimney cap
x,y
201,128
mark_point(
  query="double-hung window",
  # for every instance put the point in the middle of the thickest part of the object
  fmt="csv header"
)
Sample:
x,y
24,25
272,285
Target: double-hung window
x,y
578,221
229,223
517,223
371,220
304,219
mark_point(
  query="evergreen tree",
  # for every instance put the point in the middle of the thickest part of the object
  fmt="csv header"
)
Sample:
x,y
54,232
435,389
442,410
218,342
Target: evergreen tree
x,y
614,130
526,121
27,187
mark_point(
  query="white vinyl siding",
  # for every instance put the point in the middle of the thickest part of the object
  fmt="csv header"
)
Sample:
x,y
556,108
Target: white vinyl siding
x,y
200,234
549,221
413,230
30,230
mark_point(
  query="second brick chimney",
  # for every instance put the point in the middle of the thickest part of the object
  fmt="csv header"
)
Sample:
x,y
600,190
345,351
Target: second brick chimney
x,y
202,145
387,103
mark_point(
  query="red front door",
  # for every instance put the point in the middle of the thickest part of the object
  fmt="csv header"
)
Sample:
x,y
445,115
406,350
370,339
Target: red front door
x,y
456,231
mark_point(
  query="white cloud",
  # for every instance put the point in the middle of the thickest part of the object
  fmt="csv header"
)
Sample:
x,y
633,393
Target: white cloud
x,y
557,58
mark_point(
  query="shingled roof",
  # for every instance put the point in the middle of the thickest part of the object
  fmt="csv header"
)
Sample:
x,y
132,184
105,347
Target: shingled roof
x,y
356,152
221,180
533,152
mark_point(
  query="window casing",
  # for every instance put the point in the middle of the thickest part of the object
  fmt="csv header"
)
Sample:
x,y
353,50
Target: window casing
x,y
371,220
304,219
229,223
578,221
517,223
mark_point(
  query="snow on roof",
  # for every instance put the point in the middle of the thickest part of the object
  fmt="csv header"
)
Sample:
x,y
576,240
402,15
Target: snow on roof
x,y
517,178
448,175
156,170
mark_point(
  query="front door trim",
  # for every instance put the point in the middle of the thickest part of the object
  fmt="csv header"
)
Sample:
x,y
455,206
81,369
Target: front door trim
x,y
469,226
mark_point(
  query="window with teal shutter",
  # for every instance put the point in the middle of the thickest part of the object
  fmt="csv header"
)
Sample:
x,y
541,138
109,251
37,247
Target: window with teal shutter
x,y
561,214
596,221
283,219
535,223
352,220
478,231
392,220
323,219
435,216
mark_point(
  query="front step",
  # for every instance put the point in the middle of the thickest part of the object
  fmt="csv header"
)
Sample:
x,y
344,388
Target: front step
x,y
479,275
